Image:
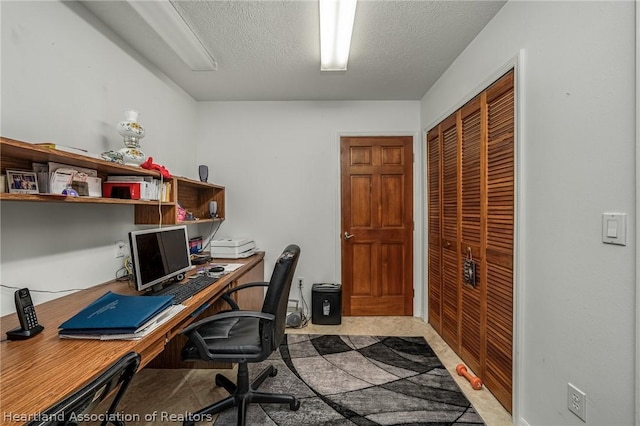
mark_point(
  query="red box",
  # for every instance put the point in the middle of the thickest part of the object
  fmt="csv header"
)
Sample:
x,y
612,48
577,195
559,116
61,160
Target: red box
x,y
123,190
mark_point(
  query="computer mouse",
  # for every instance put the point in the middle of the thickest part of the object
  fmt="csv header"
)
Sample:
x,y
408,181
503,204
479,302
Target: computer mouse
x,y
217,269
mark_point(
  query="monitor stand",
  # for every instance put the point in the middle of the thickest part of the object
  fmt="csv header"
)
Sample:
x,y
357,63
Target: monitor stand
x,y
160,287
156,288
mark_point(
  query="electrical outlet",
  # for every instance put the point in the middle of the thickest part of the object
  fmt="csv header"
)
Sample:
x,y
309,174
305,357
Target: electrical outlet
x,y
300,282
577,402
121,249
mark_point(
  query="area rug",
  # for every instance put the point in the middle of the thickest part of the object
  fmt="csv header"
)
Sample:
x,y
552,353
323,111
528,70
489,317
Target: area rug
x,y
359,380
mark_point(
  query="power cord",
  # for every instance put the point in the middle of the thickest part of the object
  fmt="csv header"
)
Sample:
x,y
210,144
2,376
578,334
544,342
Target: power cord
x,y
211,235
126,270
161,191
305,308
42,291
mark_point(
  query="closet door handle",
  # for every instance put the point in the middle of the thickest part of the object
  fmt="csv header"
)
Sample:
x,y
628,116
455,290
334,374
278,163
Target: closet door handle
x,y
347,235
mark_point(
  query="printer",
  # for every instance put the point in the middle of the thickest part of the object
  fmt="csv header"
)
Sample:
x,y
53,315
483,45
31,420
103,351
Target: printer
x,y
232,248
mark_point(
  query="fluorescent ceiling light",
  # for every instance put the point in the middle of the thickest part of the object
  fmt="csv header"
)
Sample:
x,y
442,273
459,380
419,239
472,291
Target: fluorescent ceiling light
x,y
336,26
165,20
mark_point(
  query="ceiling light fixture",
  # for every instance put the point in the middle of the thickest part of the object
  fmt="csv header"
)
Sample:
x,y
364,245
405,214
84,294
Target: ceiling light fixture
x,y
165,20
336,27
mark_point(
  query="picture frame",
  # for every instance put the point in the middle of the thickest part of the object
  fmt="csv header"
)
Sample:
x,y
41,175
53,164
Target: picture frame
x,y
22,182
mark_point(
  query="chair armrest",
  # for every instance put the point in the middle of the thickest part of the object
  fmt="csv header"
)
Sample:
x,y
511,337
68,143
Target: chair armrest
x,y
225,315
247,285
227,295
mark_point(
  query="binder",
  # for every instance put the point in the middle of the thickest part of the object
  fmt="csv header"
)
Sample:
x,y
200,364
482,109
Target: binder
x,y
146,329
116,314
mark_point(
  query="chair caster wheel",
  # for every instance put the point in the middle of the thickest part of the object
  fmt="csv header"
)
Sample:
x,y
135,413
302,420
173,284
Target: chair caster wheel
x,y
273,373
295,405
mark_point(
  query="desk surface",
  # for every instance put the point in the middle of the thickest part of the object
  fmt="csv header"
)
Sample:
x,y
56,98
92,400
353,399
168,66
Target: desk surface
x,y
36,373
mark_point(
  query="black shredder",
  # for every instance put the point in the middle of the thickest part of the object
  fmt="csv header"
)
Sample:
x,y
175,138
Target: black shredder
x,y
326,304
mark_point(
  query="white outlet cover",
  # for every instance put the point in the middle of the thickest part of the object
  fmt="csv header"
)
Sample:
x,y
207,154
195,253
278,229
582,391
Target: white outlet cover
x,y
121,248
577,402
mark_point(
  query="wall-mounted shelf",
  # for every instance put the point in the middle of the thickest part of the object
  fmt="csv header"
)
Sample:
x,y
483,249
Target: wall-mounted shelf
x,y
193,196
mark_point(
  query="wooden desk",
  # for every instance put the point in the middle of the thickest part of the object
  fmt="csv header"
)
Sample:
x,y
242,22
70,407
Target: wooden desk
x,y
36,373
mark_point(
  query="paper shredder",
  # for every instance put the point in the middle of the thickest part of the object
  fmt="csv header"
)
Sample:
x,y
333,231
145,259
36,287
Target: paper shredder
x,y
326,304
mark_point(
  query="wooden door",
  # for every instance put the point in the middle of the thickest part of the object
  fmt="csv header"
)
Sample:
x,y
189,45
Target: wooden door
x,y
434,207
377,225
471,158
499,238
450,229
472,231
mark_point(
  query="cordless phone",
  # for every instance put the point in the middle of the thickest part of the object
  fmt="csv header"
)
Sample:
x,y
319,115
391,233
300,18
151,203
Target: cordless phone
x,y
29,326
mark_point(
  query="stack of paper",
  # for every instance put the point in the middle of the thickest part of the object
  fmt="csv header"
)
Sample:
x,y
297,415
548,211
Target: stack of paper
x,y
116,316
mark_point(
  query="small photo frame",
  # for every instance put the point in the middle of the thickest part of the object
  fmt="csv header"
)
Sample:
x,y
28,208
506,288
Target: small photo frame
x,y
22,182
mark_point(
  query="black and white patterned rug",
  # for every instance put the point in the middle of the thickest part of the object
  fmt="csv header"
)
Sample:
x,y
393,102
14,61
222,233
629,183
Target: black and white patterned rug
x,y
359,380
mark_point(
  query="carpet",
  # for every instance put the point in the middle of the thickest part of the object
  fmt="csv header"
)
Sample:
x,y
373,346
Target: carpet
x,y
359,380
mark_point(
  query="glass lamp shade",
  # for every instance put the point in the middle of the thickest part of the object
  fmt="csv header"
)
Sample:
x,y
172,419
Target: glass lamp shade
x,y
132,132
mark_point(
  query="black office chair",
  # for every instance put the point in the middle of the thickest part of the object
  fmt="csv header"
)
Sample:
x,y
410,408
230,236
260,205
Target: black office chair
x,y
87,398
244,337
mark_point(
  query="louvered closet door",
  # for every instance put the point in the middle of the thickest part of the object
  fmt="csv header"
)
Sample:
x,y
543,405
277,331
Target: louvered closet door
x,y
471,232
475,147
499,245
450,215
434,229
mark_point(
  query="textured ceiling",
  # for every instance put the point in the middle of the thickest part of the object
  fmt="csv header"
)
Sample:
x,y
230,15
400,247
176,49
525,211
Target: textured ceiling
x,y
270,50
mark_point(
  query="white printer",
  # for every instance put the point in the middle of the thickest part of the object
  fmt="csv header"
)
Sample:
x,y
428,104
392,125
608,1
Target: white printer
x,y
232,248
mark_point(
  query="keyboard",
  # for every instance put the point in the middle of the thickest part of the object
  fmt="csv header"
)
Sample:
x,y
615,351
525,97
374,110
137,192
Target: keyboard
x,y
182,292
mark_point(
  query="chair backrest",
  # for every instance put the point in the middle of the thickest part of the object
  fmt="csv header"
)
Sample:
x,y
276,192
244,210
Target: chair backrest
x,y
277,297
85,399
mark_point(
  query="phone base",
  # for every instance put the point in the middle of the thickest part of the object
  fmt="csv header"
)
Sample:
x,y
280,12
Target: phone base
x,y
21,334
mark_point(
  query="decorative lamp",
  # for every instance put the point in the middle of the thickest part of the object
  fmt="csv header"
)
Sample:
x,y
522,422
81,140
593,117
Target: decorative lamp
x,y
132,132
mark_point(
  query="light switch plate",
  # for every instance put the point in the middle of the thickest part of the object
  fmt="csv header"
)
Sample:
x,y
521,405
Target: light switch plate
x,y
614,228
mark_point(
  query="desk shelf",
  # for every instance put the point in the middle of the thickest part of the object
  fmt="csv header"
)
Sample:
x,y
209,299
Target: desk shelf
x,y
193,196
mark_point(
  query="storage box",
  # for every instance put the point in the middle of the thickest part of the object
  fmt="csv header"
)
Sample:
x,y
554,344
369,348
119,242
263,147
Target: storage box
x,y
124,190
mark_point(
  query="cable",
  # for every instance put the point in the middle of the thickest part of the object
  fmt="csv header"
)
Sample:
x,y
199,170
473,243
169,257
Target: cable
x,y
212,235
43,291
126,276
305,308
161,188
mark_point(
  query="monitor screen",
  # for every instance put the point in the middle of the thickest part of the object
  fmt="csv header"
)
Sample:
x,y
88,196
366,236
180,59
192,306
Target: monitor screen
x,y
159,254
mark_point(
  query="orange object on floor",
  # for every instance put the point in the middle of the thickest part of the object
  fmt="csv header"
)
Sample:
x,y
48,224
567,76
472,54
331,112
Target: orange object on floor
x,y
476,382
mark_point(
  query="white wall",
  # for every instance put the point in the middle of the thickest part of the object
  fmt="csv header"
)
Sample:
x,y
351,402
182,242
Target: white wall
x,y
575,294
67,79
279,162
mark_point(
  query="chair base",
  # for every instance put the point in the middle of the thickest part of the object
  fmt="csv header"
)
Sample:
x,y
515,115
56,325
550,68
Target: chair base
x,y
242,395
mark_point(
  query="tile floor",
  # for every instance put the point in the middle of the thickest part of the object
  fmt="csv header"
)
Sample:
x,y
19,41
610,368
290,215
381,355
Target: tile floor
x,y
172,392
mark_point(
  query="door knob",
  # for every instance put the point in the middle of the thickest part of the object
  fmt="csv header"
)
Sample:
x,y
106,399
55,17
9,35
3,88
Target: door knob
x,y
347,235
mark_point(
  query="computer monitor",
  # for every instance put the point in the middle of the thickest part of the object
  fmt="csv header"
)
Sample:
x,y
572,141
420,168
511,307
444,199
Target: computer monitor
x,y
158,255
